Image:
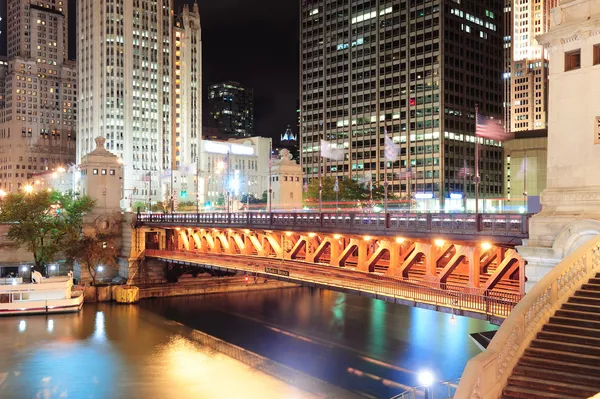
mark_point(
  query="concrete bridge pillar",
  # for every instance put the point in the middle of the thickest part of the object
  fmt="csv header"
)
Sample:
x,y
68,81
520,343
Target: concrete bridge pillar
x,y
335,251
363,255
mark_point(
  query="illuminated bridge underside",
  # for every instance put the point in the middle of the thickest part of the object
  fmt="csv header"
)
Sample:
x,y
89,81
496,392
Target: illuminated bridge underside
x,y
418,294
462,267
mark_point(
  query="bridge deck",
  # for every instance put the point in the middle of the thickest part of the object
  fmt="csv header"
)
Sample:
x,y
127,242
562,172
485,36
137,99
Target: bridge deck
x,y
448,299
500,228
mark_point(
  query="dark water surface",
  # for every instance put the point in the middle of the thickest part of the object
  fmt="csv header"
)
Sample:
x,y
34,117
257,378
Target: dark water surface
x,y
112,351
360,344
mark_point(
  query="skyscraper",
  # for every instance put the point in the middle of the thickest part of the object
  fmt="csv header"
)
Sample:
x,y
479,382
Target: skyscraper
x,y
25,24
38,118
230,109
140,88
526,156
415,69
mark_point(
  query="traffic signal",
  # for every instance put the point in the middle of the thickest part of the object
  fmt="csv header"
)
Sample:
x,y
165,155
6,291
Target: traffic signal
x,y
183,193
246,278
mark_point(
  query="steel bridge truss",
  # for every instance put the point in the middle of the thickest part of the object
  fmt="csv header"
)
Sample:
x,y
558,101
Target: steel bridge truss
x,y
476,267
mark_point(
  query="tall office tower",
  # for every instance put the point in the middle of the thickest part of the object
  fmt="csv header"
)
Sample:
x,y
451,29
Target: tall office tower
x,y
529,83
508,28
38,119
230,109
526,156
187,86
24,28
3,73
186,101
415,69
124,57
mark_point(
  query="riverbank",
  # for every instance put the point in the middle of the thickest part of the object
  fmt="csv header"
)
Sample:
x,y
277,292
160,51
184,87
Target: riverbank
x,y
201,285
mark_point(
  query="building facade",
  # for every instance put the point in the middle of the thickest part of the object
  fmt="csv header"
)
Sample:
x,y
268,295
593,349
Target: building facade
x,y
38,117
230,169
528,101
140,80
415,69
230,109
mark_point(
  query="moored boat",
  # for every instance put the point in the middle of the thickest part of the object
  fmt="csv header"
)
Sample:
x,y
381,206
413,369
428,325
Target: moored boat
x,y
50,295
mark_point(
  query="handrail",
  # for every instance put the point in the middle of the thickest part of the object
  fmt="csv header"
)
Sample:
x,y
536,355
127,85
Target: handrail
x,y
510,225
487,374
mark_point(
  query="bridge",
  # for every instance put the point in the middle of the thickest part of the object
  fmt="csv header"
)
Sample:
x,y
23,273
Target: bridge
x,y
460,263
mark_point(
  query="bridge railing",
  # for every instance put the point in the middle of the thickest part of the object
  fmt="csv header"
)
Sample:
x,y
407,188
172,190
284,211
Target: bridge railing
x,y
515,225
486,374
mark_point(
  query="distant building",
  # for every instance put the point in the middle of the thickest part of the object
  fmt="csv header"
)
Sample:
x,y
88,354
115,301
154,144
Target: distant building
x,y
289,141
286,176
526,99
142,93
38,108
230,108
366,71
238,167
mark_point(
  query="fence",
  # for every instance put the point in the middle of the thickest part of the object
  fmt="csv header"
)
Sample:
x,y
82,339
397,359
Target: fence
x,y
455,223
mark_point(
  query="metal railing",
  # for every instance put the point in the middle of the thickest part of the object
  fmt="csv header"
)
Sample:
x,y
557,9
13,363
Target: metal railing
x,y
459,299
514,225
439,390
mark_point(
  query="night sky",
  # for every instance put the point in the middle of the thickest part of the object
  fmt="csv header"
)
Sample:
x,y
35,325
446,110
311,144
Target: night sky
x,y
254,42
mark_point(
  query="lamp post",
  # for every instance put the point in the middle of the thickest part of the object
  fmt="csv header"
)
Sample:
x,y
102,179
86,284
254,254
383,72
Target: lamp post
x,y
426,379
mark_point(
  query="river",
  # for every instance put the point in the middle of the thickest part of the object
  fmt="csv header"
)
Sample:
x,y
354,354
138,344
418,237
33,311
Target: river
x,y
364,346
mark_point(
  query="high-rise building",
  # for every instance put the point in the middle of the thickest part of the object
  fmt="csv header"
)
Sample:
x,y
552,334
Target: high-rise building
x,y
187,92
139,74
27,22
529,71
527,116
38,117
415,69
230,109
507,42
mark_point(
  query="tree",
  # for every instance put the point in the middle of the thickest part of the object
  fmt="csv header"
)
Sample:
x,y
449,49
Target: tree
x,y
251,199
349,191
91,252
44,222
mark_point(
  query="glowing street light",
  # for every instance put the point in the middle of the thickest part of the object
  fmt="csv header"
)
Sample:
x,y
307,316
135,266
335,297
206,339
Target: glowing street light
x,y
485,246
2,194
60,169
28,189
425,379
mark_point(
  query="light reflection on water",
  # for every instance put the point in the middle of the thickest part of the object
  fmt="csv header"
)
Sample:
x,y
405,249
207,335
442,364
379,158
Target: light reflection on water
x,y
112,352
354,342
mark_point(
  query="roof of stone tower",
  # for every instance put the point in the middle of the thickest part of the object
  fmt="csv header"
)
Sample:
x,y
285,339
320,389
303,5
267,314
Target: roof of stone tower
x,y
100,154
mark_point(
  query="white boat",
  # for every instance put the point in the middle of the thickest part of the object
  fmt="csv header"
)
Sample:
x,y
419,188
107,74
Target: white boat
x,y
50,295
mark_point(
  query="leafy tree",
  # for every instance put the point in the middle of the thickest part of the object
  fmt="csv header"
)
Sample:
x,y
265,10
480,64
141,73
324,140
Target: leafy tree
x,y
44,222
350,190
251,199
142,206
91,252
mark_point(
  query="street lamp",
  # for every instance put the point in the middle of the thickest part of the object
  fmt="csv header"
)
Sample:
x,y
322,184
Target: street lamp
x,y
426,379
28,189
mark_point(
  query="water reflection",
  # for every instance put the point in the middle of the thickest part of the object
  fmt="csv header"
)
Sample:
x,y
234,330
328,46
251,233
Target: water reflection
x,y
116,352
358,343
